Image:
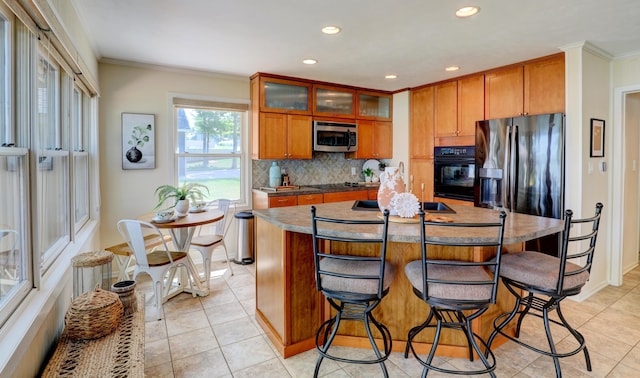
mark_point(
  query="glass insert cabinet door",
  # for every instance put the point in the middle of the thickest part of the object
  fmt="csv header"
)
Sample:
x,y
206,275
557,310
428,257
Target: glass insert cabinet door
x,y
285,96
331,101
374,106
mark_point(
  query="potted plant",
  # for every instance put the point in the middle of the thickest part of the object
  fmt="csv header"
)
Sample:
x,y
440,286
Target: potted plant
x,y
181,194
138,138
367,174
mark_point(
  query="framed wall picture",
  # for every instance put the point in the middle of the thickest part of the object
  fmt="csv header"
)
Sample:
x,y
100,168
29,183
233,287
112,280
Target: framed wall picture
x,y
597,138
138,141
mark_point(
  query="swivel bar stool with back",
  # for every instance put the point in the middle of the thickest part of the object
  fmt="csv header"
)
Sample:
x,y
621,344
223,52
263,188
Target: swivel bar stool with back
x,y
353,284
540,282
456,291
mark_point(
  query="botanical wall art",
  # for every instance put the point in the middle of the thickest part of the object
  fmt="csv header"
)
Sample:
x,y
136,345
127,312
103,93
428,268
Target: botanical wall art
x,y
138,141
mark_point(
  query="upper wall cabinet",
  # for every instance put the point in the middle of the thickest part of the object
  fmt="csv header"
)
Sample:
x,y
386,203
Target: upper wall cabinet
x,y
458,105
284,96
331,101
372,105
544,91
532,88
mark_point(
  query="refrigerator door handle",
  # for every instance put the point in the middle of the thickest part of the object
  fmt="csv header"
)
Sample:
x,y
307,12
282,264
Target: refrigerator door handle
x,y
506,200
512,169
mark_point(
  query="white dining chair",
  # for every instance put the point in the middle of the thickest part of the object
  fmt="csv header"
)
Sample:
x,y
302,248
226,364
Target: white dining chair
x,y
156,262
205,244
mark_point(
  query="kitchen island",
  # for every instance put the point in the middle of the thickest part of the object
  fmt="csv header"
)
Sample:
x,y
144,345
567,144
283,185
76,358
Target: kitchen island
x,y
290,310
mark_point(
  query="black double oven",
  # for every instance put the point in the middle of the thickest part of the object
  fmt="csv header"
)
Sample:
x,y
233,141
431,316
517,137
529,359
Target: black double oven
x,y
454,172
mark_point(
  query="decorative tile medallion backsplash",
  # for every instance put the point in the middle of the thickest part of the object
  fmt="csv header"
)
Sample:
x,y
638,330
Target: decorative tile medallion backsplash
x,y
324,168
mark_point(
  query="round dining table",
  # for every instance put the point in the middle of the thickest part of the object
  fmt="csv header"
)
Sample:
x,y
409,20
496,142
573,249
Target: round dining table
x,y
182,229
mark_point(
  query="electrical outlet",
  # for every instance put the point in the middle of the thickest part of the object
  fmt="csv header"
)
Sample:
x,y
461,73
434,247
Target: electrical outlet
x,y
353,171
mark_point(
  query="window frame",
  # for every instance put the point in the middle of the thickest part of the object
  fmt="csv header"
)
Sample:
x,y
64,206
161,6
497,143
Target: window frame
x,y
215,103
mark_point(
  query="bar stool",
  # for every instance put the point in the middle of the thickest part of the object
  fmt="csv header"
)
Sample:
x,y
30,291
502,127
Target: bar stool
x,y
540,282
457,292
97,268
353,285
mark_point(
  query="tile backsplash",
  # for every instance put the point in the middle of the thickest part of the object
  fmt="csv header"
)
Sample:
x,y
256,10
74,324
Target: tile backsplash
x,y
324,168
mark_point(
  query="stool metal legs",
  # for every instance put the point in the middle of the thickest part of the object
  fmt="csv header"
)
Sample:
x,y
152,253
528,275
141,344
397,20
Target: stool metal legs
x,y
523,307
352,311
453,320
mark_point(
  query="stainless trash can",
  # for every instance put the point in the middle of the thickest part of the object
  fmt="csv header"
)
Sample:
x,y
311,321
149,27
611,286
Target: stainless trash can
x,y
246,239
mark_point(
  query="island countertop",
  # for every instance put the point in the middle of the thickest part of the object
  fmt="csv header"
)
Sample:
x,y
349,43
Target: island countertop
x,y
518,228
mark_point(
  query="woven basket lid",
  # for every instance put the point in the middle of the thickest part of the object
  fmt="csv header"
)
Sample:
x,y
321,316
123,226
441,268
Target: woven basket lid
x,y
93,314
91,259
95,299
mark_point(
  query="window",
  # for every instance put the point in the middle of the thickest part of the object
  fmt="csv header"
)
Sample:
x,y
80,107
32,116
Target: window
x,y
80,157
51,163
44,190
210,145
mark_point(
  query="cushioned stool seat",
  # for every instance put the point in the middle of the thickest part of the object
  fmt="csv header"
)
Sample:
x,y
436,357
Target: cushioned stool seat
x,y
540,270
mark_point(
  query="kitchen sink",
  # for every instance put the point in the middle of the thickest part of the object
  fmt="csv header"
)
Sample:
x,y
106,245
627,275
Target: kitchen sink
x,y
431,207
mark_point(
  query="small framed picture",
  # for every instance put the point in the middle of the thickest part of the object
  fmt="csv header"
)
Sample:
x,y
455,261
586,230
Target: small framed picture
x,y
138,141
597,138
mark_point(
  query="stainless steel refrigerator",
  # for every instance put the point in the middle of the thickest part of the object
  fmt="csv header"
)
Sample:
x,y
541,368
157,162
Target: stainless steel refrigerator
x,y
520,167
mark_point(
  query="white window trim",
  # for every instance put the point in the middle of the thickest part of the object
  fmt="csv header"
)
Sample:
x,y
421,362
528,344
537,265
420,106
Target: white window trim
x,y
245,157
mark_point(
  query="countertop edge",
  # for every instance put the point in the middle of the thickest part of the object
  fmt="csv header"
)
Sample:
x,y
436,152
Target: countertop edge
x,y
519,228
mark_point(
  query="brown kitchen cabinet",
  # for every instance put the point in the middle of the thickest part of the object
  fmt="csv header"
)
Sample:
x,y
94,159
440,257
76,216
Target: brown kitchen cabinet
x,y
329,101
458,105
310,199
544,89
536,87
374,105
375,140
446,109
421,115
346,196
421,173
470,105
283,136
283,96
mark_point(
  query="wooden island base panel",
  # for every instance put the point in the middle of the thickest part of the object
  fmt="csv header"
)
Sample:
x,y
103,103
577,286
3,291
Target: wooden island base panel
x,y
290,309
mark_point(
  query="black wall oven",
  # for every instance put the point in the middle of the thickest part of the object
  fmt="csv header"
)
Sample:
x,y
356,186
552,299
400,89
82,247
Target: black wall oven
x,y
454,172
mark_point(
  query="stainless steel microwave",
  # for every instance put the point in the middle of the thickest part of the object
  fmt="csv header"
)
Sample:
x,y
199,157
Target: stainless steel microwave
x,y
335,136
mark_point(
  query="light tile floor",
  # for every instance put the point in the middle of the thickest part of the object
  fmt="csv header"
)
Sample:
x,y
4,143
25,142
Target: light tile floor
x,y
217,336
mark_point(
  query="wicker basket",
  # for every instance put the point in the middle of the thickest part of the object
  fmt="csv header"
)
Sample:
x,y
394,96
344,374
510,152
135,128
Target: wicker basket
x,y
93,315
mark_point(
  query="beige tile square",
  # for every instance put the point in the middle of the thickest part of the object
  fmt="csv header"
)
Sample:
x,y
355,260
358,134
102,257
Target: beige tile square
x,y
190,343
304,364
632,359
272,368
207,364
180,323
226,313
234,331
246,353
155,330
156,353
164,370
218,298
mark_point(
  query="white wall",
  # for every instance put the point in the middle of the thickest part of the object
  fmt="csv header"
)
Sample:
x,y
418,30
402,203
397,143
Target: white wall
x,y
144,89
587,96
401,131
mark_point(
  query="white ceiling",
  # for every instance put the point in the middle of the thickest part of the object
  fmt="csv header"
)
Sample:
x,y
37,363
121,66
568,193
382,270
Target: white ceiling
x,y
415,39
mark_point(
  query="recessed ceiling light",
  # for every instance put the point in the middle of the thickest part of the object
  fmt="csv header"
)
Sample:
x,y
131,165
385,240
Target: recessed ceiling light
x,y
309,61
331,30
392,76
467,11
452,68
